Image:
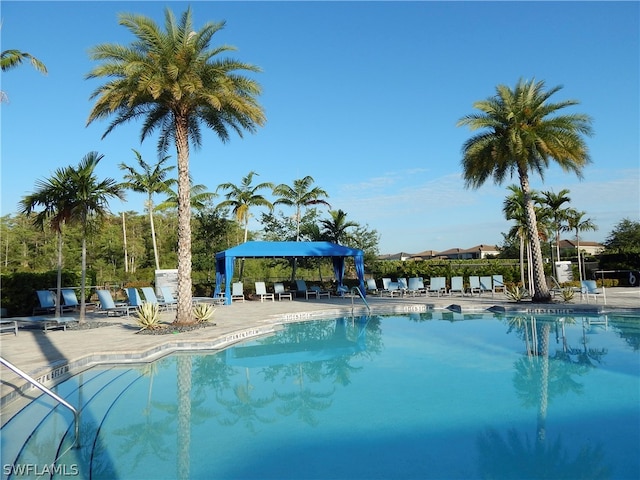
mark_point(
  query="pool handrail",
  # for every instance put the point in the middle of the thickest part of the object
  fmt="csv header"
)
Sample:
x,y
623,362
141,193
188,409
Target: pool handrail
x,y
357,290
55,396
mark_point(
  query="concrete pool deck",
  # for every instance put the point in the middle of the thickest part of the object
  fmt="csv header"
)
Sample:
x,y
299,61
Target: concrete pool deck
x,y
56,354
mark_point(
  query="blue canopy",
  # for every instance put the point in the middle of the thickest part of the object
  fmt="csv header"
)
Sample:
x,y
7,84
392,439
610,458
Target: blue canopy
x,y
225,260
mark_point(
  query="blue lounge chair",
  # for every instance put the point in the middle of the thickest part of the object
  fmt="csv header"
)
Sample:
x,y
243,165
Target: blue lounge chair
x,y
301,288
108,306
150,297
167,296
47,302
590,287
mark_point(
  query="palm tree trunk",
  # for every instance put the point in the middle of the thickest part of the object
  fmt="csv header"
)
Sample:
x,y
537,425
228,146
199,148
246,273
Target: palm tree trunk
x,y
541,293
183,308
59,277
522,279
153,234
83,278
124,240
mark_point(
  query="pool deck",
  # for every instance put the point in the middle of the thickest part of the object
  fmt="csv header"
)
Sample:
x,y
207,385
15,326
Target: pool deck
x,y
53,355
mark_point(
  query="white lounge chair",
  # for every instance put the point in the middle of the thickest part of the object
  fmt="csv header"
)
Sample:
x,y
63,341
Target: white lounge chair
x,y
278,289
457,285
372,288
261,291
498,284
416,287
438,285
237,291
485,284
390,289
474,284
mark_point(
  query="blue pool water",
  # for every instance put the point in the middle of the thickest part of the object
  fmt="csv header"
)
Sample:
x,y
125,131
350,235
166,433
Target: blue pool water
x,y
435,395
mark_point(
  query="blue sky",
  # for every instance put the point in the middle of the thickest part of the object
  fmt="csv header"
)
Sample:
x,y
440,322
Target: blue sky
x,y
362,96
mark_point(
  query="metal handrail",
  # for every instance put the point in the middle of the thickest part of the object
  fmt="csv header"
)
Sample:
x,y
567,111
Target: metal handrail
x,y
55,396
354,290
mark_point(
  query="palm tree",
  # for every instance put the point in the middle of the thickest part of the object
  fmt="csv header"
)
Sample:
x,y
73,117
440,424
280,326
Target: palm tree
x,y
12,58
554,202
54,196
242,198
89,205
577,223
335,229
200,198
175,81
518,136
300,195
73,195
150,180
513,208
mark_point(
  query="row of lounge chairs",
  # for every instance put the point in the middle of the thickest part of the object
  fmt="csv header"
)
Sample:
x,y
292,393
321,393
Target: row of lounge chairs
x,y
279,291
437,286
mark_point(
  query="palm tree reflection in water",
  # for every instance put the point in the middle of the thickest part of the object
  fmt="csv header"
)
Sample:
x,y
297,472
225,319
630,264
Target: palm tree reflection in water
x,y
538,381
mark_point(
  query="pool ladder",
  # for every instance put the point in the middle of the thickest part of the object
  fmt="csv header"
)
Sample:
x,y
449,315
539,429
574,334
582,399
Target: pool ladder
x,y
55,396
356,290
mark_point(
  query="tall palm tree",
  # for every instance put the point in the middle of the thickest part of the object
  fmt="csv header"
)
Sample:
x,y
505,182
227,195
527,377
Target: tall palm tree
x,y
577,223
242,198
150,179
519,135
54,197
335,228
175,81
89,205
12,58
558,215
299,196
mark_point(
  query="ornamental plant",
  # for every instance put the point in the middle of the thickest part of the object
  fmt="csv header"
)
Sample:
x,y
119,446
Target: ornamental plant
x,y
203,312
148,316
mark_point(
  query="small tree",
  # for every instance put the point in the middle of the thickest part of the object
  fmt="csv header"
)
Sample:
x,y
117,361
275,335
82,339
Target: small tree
x,y
625,237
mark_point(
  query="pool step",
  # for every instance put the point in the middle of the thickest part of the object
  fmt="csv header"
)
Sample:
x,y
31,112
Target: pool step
x,y
34,435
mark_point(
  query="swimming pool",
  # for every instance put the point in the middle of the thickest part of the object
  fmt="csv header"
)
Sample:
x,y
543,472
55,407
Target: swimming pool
x,y
427,395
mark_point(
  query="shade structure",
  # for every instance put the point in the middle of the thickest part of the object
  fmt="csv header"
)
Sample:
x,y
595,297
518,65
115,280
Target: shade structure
x,y
225,260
